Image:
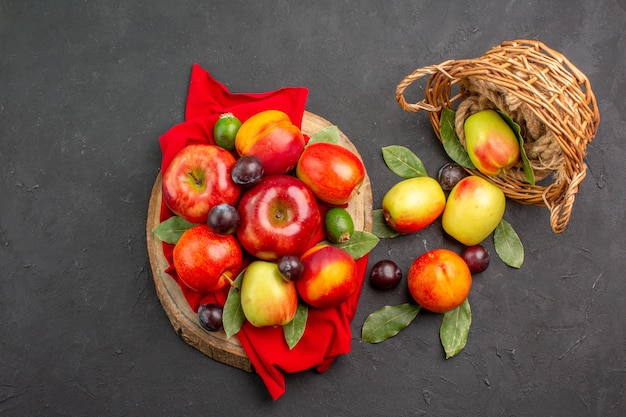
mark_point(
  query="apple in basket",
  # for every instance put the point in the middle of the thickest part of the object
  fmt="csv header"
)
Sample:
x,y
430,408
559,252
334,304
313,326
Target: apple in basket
x,y
197,179
491,144
279,216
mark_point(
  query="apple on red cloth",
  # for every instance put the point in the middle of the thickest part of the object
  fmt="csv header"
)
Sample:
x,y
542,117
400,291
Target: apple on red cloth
x,y
327,333
197,179
279,217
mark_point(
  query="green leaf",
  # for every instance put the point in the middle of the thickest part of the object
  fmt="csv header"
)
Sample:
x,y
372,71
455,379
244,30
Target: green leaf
x,y
294,330
528,170
380,227
328,134
388,321
508,245
450,140
232,316
455,328
359,245
170,230
403,162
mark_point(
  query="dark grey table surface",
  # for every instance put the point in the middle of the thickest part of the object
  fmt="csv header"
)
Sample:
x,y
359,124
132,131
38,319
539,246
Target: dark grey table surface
x,y
86,89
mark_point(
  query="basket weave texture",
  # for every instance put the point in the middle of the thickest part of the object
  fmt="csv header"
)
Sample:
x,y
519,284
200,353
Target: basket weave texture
x,y
545,94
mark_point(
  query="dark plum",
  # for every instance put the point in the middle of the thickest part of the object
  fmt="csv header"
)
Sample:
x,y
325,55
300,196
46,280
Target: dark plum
x,y
476,257
290,267
247,171
224,219
210,316
385,275
449,174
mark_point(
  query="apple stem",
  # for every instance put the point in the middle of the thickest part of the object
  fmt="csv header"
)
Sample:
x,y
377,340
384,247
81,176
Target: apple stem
x,y
196,179
230,280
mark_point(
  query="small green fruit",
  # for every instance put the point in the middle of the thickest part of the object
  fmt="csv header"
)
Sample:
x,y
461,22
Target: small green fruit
x,y
338,225
225,131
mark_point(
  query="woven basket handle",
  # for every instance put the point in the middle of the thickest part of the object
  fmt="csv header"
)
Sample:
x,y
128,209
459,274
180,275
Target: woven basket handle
x,y
443,68
561,210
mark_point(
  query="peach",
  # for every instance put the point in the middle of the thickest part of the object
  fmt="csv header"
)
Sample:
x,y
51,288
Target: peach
x,y
439,280
329,278
273,138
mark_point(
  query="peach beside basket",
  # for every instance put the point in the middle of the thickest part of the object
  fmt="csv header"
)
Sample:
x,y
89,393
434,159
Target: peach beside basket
x,y
544,93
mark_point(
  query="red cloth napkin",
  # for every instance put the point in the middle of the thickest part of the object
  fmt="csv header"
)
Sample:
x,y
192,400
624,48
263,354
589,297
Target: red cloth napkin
x,y
327,332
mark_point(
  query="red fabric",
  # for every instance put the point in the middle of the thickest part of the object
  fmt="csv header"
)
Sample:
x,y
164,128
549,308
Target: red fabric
x,y
327,333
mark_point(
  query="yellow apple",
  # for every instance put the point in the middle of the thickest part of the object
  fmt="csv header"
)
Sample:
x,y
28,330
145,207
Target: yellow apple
x,y
490,142
473,210
266,298
413,204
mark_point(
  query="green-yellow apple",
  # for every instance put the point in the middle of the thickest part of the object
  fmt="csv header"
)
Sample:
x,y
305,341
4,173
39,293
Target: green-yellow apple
x,y
197,179
270,136
413,204
206,261
332,172
279,216
491,144
474,208
266,298
329,278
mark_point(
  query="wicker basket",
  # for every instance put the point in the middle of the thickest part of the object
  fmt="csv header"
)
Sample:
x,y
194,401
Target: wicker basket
x,y
549,98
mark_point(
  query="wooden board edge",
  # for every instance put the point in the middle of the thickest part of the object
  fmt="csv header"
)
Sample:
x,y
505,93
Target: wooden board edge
x,y
182,318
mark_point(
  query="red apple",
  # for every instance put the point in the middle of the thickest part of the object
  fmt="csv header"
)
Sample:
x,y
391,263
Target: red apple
x,y
270,136
279,216
330,276
198,178
206,261
333,172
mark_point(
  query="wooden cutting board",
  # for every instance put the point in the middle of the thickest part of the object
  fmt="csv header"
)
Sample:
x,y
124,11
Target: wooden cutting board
x,y
185,322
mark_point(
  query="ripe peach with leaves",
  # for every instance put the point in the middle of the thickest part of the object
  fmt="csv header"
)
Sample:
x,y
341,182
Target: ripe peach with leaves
x,y
439,280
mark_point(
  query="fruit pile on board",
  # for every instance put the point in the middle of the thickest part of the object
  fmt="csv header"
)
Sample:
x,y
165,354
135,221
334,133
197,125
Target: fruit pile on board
x,y
250,209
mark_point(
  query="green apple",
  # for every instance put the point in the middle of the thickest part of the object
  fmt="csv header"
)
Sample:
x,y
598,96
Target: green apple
x,y
266,298
490,142
473,210
413,204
